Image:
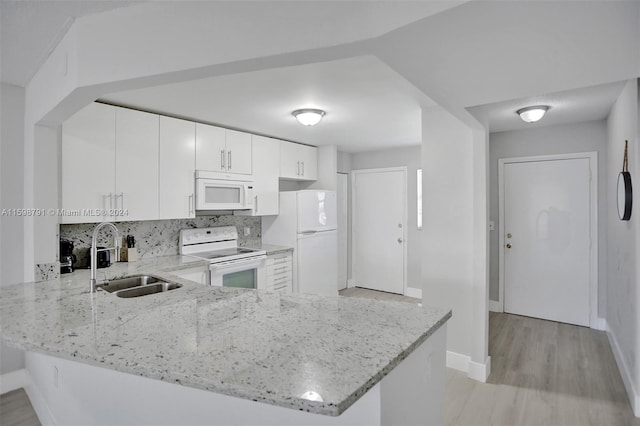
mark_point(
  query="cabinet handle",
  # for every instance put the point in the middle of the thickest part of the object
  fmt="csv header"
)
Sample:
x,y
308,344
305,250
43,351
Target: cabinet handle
x,y
229,155
222,159
303,168
191,204
255,202
121,200
298,169
110,201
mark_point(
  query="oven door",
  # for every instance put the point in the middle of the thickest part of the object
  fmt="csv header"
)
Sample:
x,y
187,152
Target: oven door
x,y
241,273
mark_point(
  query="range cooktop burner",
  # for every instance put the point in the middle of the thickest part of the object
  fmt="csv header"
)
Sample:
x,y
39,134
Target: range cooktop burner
x,y
215,254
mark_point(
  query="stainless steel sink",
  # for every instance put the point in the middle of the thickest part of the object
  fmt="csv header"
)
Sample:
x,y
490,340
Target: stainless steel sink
x,y
128,282
139,285
147,289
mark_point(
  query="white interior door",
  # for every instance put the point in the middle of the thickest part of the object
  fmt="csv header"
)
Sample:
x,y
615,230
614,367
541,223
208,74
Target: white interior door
x,y
378,228
343,220
547,261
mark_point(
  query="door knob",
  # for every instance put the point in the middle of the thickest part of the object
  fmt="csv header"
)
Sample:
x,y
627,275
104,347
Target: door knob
x,y
400,240
509,245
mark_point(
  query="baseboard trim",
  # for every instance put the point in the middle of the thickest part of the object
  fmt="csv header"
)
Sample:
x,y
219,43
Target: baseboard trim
x,y
14,380
474,370
600,324
40,405
627,379
495,306
414,292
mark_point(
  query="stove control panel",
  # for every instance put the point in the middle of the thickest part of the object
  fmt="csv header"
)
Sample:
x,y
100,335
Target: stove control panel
x,y
207,235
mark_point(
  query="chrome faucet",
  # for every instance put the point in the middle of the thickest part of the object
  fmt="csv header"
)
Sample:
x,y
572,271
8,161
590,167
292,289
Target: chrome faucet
x,y
94,251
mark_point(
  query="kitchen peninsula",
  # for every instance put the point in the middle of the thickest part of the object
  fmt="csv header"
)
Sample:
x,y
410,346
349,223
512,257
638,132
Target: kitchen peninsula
x,y
215,355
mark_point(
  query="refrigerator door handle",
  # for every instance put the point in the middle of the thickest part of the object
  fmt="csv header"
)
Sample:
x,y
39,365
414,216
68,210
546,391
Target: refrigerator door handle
x,y
308,232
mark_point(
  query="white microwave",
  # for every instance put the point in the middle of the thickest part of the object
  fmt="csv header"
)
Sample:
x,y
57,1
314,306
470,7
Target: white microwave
x,y
222,194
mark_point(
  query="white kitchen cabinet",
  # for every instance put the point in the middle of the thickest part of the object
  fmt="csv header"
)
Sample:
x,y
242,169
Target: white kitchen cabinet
x,y
210,148
221,150
137,146
279,272
176,168
239,148
87,164
266,187
298,162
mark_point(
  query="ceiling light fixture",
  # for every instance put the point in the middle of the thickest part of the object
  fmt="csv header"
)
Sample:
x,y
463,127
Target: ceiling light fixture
x,y
308,117
533,113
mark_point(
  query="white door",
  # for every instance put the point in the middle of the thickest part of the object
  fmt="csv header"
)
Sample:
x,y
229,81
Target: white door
x,y
343,216
378,228
547,227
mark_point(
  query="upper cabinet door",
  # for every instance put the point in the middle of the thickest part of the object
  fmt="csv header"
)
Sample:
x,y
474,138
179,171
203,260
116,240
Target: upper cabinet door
x,y
177,165
309,158
137,136
298,162
266,166
88,158
239,152
210,148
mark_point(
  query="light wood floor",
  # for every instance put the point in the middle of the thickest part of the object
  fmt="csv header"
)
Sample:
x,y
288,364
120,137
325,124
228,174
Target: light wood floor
x,y
542,373
16,410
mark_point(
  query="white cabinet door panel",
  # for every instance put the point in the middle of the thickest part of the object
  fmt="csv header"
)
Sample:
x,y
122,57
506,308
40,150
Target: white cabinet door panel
x,y
137,136
210,148
238,152
88,158
177,166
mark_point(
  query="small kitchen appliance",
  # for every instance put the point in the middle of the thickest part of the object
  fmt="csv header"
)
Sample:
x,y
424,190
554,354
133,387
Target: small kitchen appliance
x,y
214,193
67,258
230,265
104,258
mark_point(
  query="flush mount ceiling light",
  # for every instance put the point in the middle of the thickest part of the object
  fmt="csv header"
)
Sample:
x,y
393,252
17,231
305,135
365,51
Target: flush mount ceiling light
x,y
533,113
308,116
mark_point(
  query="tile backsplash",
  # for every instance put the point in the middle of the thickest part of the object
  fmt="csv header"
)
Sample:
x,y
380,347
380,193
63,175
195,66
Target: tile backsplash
x,y
156,237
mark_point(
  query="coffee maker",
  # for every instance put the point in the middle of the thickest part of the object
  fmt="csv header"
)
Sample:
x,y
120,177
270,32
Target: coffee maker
x,y
67,258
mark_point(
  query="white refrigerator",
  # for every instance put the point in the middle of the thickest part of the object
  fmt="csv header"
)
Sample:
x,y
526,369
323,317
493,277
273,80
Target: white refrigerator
x,y
308,223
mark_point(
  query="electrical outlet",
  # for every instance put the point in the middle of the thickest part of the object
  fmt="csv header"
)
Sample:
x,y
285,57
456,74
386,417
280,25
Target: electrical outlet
x,y
247,231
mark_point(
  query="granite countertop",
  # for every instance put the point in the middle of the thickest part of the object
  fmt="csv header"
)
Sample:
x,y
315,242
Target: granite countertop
x,y
272,248
259,345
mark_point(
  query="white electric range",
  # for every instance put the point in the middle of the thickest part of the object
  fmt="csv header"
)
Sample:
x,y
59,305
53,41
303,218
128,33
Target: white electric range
x,y
230,265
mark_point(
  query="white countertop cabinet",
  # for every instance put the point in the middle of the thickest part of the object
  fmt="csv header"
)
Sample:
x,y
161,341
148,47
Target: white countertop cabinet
x,y
176,170
279,273
222,150
298,162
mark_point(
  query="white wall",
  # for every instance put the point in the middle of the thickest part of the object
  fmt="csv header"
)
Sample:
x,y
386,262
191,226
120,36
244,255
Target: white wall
x,y
623,287
411,158
448,216
11,196
570,138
